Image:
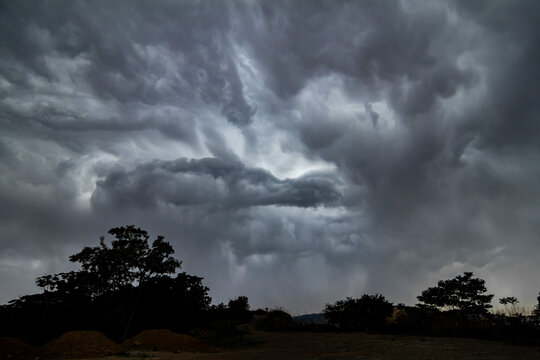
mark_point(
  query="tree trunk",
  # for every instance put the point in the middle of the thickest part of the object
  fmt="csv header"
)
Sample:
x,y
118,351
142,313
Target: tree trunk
x,y
132,314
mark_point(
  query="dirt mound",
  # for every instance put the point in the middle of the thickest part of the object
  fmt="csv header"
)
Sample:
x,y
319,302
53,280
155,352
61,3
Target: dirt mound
x,y
79,344
165,340
13,348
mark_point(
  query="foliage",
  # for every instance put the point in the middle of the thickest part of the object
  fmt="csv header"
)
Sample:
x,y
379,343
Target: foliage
x,y
120,289
463,293
239,309
240,304
510,303
367,312
509,300
536,310
175,303
275,320
129,261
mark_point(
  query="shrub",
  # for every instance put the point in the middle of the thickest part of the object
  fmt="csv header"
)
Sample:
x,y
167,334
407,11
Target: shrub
x,y
536,310
239,309
367,312
275,320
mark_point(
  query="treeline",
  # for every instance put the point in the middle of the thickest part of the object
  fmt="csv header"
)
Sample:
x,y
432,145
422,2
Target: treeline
x,y
454,307
133,284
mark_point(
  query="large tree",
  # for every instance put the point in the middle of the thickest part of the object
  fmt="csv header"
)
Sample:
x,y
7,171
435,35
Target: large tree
x,y
115,277
464,293
129,261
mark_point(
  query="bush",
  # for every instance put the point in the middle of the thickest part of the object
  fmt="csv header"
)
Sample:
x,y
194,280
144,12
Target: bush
x,y
366,313
275,320
536,311
239,309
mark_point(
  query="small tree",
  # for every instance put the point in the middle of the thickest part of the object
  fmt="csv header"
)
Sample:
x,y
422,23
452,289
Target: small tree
x,y
510,303
239,309
240,304
367,312
463,293
536,310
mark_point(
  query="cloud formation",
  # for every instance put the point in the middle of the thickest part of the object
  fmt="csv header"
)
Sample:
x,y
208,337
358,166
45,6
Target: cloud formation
x,y
210,181
295,152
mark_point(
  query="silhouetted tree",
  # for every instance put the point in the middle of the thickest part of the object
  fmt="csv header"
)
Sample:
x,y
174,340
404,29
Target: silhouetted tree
x,y
177,303
367,312
129,261
536,310
114,282
275,320
463,293
239,309
510,303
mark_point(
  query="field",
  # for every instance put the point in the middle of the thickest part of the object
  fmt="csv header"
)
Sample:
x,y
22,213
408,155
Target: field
x,y
360,346
263,345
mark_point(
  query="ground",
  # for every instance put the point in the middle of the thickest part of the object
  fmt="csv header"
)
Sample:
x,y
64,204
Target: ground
x,y
325,346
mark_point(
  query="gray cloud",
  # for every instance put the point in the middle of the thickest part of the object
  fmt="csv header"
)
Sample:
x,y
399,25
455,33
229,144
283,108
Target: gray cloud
x,y
296,152
211,181
132,59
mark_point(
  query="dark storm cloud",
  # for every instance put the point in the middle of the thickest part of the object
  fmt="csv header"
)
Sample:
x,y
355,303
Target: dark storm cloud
x,y
512,54
368,42
380,145
457,76
211,181
121,49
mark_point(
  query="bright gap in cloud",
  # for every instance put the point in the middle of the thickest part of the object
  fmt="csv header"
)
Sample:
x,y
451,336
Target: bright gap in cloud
x,y
86,175
272,152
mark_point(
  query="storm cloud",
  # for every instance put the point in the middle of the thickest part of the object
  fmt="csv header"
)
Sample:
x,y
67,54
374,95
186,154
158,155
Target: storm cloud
x,y
210,181
295,152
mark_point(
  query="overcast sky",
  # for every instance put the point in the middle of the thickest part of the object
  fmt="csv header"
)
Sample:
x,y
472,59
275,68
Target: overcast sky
x,y
296,152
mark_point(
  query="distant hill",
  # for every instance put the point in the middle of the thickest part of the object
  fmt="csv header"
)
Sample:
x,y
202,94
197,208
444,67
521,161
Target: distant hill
x,y
310,319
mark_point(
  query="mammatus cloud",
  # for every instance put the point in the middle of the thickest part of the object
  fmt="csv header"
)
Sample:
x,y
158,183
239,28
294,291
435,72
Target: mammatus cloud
x,y
295,152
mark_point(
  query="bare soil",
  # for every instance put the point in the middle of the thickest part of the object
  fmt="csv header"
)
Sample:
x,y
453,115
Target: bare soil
x,y
15,349
79,344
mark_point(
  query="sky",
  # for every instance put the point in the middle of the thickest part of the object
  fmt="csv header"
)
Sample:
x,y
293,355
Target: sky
x,y
295,152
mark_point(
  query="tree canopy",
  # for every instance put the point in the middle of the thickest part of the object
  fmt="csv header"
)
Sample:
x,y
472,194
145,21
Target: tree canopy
x,y
464,293
510,304
129,260
536,310
120,288
367,312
